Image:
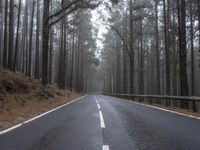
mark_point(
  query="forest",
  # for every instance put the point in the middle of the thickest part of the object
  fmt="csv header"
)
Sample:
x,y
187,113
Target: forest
x,y
150,47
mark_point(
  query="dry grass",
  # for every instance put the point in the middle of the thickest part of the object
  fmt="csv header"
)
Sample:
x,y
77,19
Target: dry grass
x,y
22,97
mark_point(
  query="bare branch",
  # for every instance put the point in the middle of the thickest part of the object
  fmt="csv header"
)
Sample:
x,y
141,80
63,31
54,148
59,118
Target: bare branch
x,y
122,38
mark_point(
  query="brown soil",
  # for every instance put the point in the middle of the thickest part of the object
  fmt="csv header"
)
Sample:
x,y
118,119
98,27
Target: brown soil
x,y
23,97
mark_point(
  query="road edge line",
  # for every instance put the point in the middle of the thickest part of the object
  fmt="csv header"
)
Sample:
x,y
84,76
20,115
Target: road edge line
x,y
167,110
39,116
158,108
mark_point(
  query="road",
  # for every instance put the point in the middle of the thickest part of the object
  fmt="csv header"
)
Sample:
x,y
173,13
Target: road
x,y
98,122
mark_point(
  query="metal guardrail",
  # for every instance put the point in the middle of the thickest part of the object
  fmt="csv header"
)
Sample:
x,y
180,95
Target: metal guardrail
x,y
185,102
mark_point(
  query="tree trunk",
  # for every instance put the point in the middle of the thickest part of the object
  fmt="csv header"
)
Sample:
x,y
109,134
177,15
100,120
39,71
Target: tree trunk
x,y
45,42
17,37
198,11
131,49
11,35
157,51
192,49
37,55
182,48
30,40
167,51
5,49
141,69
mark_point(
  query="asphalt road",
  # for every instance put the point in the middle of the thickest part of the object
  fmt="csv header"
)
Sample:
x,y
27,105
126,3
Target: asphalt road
x,y
98,122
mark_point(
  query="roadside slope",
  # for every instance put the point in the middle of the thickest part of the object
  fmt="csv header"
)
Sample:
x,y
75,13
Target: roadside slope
x,y
23,97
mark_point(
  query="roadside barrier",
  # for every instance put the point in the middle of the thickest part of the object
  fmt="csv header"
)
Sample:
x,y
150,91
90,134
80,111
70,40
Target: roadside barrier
x,y
185,102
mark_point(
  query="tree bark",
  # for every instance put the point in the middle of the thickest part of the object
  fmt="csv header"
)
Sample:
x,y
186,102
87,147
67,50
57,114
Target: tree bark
x,y
45,42
30,40
157,51
37,54
192,49
5,49
182,48
11,35
131,49
17,37
167,51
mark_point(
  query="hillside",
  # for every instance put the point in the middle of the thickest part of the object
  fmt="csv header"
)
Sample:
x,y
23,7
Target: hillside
x,y
23,97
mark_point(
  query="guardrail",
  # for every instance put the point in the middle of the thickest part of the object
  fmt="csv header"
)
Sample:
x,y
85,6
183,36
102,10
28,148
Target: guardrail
x,y
185,102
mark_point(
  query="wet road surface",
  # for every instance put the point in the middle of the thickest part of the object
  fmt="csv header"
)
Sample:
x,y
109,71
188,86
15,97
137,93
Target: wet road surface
x,y
98,122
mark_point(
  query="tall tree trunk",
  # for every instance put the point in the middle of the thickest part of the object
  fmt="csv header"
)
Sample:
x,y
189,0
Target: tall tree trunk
x,y
51,56
11,35
45,42
141,69
192,49
157,51
182,47
167,51
17,37
198,11
30,39
37,54
131,49
5,49
27,34
174,54
1,31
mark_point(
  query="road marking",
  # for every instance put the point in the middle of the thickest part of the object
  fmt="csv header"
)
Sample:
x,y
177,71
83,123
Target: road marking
x,y
96,99
98,106
102,120
171,111
25,122
105,147
97,103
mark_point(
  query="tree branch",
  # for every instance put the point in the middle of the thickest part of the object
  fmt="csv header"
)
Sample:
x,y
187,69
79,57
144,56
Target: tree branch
x,y
63,9
122,38
57,20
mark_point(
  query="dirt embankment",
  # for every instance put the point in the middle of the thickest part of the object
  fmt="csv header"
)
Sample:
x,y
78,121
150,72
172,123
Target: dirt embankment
x,y
23,97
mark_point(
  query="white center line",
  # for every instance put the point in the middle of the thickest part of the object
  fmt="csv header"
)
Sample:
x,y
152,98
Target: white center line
x,y
97,103
96,99
101,120
105,147
98,106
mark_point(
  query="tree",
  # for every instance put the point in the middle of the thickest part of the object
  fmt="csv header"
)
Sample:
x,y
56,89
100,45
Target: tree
x,y
30,39
131,48
192,47
182,47
157,49
17,37
11,35
37,47
5,49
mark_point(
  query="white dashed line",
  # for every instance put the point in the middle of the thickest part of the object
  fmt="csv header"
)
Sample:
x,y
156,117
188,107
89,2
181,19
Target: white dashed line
x,y
96,100
105,147
97,103
98,106
102,120
25,122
